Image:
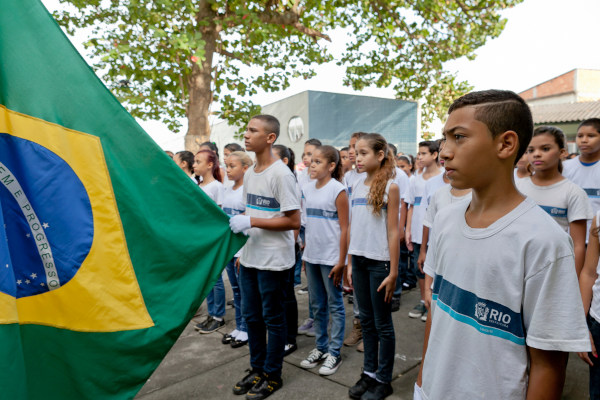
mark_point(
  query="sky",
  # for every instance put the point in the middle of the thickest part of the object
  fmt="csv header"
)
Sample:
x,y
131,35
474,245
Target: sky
x,y
542,39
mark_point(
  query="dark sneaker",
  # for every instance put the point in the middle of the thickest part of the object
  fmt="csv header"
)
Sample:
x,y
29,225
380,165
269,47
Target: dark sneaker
x,y
202,324
212,326
235,343
379,391
263,389
313,359
331,364
361,387
247,382
231,303
424,317
303,290
289,349
418,311
395,303
227,339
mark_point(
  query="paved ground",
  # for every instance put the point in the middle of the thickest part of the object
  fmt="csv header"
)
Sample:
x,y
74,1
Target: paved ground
x,y
200,367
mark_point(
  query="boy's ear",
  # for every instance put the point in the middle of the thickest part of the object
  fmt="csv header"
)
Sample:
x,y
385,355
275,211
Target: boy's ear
x,y
271,137
507,144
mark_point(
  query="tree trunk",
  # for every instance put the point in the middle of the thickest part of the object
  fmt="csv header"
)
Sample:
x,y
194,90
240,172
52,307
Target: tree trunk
x,y
199,84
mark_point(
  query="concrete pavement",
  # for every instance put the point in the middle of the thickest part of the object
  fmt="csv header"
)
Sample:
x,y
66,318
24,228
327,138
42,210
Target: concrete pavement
x,y
200,367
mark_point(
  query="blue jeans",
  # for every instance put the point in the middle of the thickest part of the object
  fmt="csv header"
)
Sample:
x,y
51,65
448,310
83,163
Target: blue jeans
x,y
413,259
402,269
291,308
263,309
240,323
216,299
595,370
375,316
325,295
298,267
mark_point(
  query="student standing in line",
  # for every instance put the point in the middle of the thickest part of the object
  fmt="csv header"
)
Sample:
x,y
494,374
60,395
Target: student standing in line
x,y
272,214
206,166
562,199
428,158
236,165
505,292
584,170
373,264
326,204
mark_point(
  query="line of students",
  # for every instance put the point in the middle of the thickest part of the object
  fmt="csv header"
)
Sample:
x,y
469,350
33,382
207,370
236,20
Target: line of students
x,y
516,321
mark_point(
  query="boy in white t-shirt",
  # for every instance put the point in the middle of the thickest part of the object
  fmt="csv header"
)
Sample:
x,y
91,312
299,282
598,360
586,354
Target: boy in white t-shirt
x,y
428,156
506,307
584,170
272,213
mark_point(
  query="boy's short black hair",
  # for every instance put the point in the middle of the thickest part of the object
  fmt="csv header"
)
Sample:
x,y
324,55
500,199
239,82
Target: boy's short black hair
x,y
344,149
271,123
593,122
432,145
314,142
500,111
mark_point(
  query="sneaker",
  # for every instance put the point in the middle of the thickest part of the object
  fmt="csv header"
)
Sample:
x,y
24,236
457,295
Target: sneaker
x,y
378,391
303,290
263,389
227,339
247,382
355,335
350,299
331,364
289,349
408,286
202,324
395,303
231,303
306,326
361,387
361,347
314,358
235,343
424,316
212,326
418,311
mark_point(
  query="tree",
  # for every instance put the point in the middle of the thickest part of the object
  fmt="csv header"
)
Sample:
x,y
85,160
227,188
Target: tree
x,y
168,59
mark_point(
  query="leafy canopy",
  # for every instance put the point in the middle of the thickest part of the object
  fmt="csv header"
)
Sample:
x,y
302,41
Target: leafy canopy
x,y
145,50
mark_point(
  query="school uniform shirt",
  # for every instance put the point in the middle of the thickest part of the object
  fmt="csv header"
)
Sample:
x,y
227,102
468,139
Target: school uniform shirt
x,y
269,194
303,179
234,204
564,201
368,232
432,186
215,191
587,177
418,200
497,290
595,305
401,179
350,179
441,198
322,223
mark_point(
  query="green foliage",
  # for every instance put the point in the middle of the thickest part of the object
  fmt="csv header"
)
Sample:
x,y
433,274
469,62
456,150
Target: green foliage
x,y
148,50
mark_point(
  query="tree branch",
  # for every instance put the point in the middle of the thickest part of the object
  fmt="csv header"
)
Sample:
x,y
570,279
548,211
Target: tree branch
x,y
291,18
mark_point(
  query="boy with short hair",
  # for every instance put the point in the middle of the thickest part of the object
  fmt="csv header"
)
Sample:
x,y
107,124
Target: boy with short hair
x,y
272,213
584,170
506,306
428,156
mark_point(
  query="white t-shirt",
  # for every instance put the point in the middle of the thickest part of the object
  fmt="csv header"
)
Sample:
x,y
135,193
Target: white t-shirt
x,y
441,198
401,179
269,194
595,306
432,186
322,223
587,177
234,204
418,200
303,179
496,291
350,179
368,232
564,201
215,191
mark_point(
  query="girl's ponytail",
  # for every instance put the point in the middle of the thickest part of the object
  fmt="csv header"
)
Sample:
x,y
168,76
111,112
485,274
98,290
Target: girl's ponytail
x,y
211,157
331,154
386,171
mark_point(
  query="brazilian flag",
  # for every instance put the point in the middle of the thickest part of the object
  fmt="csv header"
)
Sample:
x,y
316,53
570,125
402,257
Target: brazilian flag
x,y
106,247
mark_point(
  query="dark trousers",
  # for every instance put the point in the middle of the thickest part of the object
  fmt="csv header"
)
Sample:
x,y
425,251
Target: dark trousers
x,y
595,370
375,316
263,310
291,308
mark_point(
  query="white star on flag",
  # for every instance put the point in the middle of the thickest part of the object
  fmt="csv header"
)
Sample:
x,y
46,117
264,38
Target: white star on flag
x,y
28,235
45,225
42,284
27,281
33,276
19,282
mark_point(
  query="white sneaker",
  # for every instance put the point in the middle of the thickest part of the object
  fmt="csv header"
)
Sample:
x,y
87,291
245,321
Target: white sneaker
x,y
331,364
314,357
